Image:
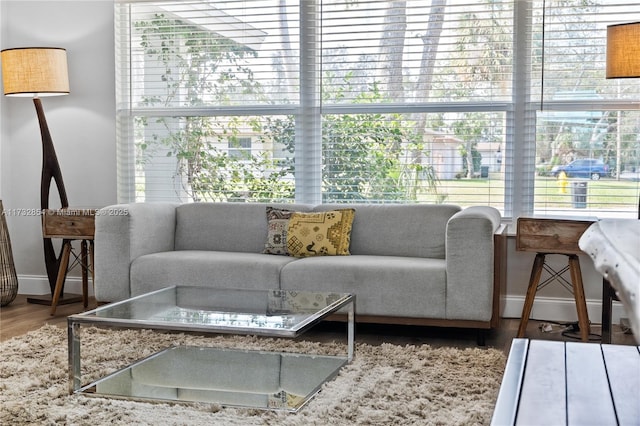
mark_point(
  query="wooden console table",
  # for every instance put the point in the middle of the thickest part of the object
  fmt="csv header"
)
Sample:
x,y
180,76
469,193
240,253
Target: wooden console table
x,y
569,383
553,236
70,225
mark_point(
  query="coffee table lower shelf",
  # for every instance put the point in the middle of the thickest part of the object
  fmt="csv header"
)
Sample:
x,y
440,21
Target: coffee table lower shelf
x,y
229,377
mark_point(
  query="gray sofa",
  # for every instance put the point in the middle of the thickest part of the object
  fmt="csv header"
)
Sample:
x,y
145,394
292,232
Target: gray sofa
x,y
416,264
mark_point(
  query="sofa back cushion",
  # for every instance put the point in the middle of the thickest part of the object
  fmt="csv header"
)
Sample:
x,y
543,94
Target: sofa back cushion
x,y
240,227
414,230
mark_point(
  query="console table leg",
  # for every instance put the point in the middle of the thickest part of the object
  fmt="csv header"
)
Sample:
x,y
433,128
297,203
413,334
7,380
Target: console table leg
x,y
578,293
536,272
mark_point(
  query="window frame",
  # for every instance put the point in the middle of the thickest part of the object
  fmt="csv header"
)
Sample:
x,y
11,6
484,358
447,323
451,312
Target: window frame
x,y
520,138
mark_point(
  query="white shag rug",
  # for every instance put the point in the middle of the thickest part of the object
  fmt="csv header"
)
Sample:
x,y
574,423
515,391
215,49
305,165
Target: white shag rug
x,y
384,385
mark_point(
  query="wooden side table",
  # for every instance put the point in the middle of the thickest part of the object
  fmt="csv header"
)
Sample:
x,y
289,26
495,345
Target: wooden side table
x,y
553,236
70,225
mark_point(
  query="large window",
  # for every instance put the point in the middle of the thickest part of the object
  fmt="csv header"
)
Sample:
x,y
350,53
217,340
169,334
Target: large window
x,y
446,101
587,128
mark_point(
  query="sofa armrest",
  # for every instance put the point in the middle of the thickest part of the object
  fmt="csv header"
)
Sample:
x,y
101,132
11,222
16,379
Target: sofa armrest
x,y
125,232
470,263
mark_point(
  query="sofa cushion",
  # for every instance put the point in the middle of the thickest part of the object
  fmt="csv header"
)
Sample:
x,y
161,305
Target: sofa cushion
x,y
412,230
383,285
239,227
319,234
206,268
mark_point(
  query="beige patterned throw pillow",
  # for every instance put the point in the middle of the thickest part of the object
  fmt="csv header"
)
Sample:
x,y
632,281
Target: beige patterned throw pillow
x,y
278,222
320,234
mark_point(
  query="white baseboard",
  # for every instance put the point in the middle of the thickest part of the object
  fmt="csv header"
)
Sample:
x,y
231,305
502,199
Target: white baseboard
x,y
39,284
560,309
544,308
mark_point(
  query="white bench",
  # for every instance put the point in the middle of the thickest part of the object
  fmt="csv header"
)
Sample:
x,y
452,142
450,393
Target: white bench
x,y
569,383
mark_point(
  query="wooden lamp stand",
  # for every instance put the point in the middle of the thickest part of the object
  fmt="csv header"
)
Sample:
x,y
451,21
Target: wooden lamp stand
x,y
51,171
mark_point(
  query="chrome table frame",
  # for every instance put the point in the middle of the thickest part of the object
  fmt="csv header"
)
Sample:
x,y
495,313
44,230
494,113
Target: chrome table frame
x,y
93,318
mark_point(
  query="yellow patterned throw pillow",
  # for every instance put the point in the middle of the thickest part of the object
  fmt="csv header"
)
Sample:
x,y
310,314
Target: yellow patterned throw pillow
x,y
320,234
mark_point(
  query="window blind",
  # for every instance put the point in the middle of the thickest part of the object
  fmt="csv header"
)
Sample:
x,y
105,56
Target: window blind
x,y
424,88
453,101
582,118
198,83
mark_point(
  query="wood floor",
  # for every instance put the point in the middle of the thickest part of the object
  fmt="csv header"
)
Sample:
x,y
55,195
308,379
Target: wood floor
x,y
20,317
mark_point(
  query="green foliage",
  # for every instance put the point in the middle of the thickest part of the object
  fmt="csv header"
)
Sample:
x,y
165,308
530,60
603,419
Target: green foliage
x,y
362,153
209,69
199,66
472,129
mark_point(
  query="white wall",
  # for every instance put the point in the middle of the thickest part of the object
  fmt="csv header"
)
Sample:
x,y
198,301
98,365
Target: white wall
x,y
82,124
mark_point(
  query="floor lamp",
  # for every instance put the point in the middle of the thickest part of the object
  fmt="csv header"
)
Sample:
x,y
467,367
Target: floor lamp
x,y
623,54
38,72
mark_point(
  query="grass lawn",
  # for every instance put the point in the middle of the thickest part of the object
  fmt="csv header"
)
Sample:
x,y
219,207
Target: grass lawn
x,y
603,194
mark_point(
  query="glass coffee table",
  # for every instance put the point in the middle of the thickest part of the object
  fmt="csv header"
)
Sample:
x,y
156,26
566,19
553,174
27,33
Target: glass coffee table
x,y
229,377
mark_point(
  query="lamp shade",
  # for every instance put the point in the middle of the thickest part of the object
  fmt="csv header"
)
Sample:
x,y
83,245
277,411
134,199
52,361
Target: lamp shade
x,y
35,71
623,50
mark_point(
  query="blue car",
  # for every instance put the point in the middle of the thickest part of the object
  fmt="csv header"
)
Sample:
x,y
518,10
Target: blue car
x,y
583,168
